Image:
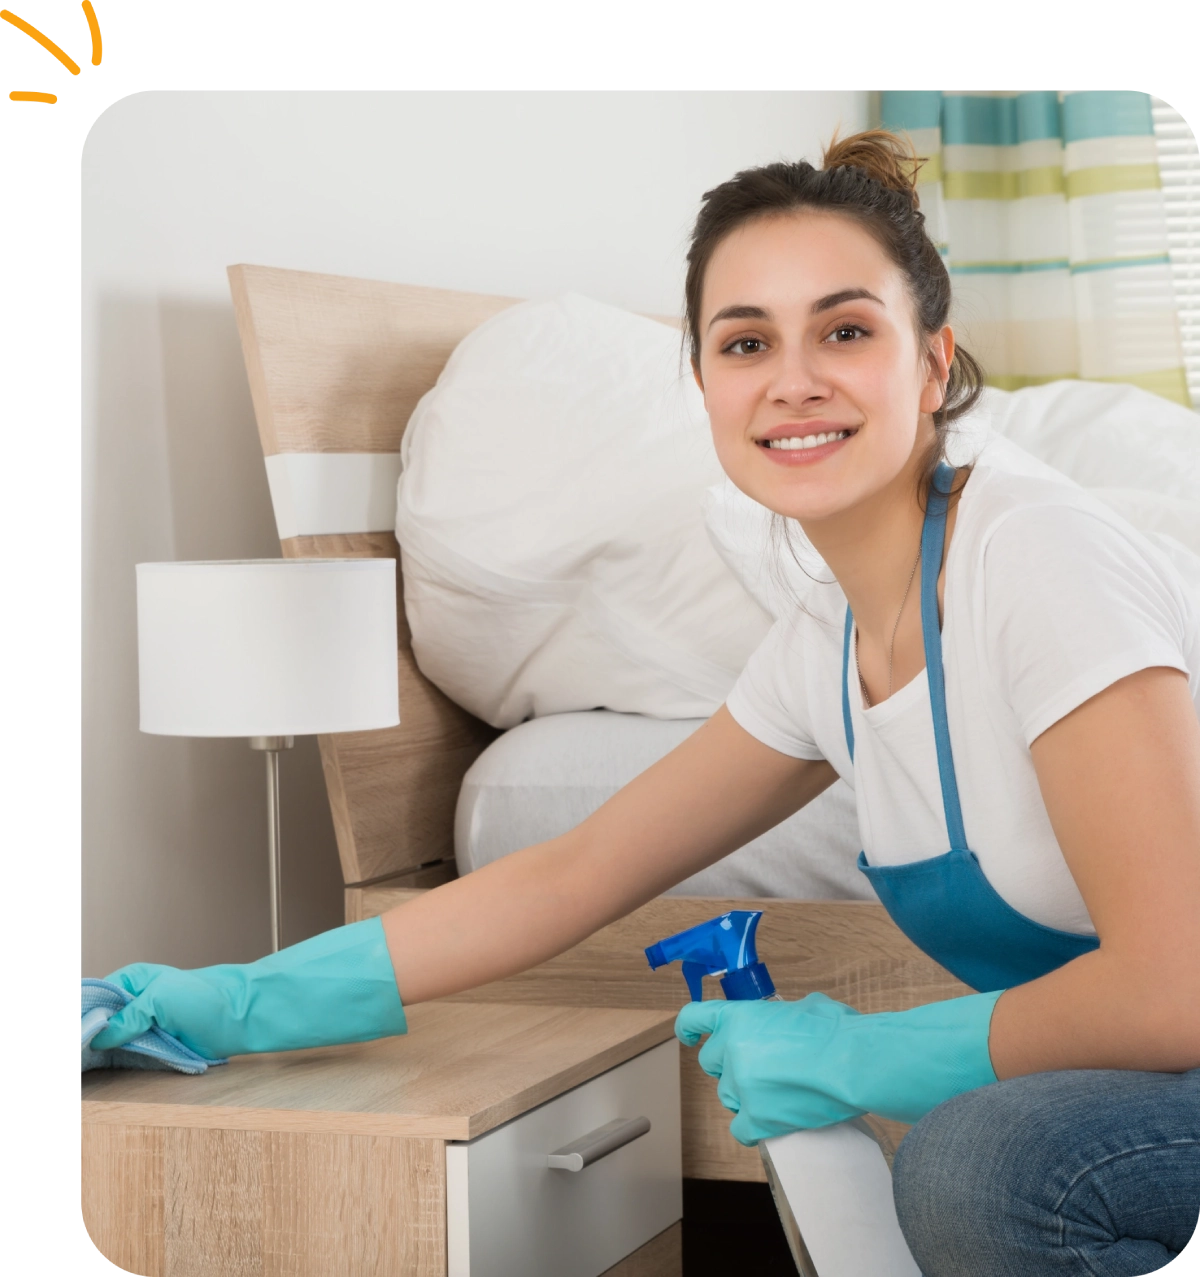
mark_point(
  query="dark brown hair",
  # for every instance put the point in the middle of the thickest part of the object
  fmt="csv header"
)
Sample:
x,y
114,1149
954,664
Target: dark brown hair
x,y
870,178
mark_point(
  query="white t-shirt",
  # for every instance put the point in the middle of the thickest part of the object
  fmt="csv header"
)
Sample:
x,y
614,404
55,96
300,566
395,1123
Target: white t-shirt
x,y
1049,598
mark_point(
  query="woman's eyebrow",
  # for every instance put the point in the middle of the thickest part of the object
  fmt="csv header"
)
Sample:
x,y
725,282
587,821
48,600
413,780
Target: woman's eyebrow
x,y
739,312
818,307
846,295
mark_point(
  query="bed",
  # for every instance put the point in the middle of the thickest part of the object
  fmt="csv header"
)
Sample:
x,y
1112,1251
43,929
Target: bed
x,y
336,367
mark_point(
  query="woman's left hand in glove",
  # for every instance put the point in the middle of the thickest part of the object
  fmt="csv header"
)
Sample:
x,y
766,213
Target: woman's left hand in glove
x,y
786,1066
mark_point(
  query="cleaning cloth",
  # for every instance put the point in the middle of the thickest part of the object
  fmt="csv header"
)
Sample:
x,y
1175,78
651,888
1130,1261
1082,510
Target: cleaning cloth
x,y
154,1049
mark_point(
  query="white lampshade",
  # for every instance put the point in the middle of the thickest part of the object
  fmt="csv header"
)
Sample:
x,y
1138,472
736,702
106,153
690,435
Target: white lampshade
x,y
267,647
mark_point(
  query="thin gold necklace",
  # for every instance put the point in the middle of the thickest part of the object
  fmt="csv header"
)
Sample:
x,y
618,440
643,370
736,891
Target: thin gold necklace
x,y
892,645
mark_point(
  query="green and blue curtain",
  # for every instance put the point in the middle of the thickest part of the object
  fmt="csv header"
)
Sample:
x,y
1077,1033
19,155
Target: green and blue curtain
x,y
1048,208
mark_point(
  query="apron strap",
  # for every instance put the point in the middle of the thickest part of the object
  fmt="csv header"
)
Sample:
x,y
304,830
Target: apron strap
x,y
933,540
847,722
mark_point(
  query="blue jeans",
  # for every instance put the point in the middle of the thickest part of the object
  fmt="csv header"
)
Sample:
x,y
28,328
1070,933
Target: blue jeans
x,y
1088,1173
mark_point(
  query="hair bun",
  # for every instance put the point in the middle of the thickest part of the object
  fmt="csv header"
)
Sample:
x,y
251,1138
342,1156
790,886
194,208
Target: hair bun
x,y
889,159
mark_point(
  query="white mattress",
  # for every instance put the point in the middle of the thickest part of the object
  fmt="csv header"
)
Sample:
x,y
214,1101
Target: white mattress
x,y
546,775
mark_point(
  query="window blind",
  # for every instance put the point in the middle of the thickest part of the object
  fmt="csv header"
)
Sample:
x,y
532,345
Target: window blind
x,y
1179,164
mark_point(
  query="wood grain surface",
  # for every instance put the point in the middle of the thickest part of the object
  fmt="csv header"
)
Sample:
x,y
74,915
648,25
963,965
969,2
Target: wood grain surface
x,y
198,1202
337,364
661,1256
848,949
461,1070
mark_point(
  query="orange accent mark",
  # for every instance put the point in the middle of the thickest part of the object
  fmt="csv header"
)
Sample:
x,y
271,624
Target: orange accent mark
x,y
94,28
33,97
44,41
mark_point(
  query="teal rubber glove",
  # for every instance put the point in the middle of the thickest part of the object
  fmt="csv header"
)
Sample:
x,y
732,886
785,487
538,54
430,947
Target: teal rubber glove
x,y
335,987
788,1066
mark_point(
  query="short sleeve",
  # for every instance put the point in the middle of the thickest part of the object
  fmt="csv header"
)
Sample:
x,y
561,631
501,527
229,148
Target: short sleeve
x,y
1072,603
770,697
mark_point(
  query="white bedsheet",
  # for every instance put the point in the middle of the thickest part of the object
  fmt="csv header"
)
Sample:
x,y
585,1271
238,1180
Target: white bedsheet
x,y
544,776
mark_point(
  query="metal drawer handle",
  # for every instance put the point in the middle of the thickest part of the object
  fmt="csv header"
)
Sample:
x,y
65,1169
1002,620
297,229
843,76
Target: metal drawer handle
x,y
599,1143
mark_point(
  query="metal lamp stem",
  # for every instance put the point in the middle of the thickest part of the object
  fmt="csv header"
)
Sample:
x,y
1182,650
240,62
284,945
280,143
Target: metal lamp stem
x,y
271,745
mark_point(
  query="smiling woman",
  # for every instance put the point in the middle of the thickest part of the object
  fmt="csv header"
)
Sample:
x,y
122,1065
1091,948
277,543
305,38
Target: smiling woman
x,y
1023,739
817,314
886,286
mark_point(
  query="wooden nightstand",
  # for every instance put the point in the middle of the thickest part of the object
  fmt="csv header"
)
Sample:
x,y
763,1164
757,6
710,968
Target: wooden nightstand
x,y
421,1155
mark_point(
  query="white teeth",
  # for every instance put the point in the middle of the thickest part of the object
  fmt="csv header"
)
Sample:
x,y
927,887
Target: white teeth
x,y
807,441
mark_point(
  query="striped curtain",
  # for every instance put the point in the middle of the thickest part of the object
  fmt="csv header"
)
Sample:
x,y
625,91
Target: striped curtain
x,y
1048,208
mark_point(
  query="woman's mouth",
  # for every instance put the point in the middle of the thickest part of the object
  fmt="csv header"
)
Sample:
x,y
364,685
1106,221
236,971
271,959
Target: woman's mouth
x,y
795,449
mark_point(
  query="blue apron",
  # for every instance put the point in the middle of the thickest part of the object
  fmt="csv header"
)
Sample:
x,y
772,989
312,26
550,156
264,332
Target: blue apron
x,y
944,904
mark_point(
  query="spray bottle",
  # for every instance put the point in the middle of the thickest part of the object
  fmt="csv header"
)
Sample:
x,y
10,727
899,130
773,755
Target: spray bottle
x,y
854,1232
722,947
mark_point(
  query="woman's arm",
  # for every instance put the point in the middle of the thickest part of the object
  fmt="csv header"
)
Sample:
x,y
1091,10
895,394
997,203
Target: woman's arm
x,y
714,792
717,790
1120,777
1121,781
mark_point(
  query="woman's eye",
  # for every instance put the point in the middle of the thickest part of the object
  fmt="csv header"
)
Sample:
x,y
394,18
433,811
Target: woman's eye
x,y
846,332
744,346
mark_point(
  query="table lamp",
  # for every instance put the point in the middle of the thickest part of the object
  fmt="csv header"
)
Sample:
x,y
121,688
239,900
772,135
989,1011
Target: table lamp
x,y
269,649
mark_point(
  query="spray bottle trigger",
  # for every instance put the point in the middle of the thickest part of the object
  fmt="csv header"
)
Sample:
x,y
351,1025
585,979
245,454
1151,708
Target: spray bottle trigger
x,y
694,973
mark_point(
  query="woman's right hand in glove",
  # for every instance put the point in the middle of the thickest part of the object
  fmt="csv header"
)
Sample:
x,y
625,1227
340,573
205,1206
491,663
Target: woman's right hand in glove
x,y
335,987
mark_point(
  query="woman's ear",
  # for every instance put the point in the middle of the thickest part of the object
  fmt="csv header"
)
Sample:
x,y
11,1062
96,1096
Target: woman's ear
x,y
696,374
940,351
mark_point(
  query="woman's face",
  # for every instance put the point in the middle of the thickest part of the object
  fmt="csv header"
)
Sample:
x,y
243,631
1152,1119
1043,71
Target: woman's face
x,y
817,386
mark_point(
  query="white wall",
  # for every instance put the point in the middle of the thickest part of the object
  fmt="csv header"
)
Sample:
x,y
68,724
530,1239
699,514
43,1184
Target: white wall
x,y
522,194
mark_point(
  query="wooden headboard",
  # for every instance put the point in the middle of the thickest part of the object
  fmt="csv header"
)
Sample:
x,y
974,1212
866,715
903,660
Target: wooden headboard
x,y
336,366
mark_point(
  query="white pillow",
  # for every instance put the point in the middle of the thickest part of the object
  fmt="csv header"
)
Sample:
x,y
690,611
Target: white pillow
x,y
549,519
1105,435
1137,452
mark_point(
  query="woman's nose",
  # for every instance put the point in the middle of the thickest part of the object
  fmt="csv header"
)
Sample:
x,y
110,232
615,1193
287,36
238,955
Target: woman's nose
x,y
796,379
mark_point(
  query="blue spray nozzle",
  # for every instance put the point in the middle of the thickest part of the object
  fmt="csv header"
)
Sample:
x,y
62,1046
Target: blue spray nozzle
x,y
723,947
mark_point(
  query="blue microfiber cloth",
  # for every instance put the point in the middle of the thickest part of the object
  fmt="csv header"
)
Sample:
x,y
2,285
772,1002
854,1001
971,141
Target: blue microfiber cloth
x,y
153,1050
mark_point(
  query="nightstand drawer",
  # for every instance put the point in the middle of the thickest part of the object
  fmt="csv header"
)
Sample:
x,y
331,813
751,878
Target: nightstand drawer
x,y
510,1214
